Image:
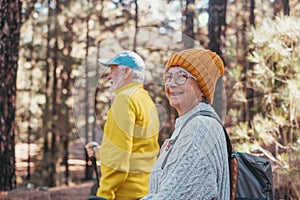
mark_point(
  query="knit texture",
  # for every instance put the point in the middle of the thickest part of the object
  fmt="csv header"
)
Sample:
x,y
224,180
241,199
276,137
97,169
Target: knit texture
x,y
206,66
197,166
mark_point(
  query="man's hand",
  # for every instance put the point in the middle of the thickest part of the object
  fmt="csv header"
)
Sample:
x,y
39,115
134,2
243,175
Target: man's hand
x,y
91,148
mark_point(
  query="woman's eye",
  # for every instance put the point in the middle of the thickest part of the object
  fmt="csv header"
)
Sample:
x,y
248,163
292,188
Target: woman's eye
x,y
169,77
182,76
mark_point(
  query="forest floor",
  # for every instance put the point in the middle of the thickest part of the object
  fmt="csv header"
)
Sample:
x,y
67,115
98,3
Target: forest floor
x,y
80,189
77,189
75,192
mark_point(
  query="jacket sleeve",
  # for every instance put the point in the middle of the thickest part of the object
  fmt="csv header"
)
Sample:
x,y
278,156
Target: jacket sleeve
x,y
115,151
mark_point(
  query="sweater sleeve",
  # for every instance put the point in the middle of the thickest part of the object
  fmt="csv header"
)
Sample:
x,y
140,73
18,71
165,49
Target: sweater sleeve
x,y
194,167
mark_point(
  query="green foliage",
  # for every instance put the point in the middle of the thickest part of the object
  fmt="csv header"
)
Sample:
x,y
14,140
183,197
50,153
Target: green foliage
x,y
275,80
241,131
71,35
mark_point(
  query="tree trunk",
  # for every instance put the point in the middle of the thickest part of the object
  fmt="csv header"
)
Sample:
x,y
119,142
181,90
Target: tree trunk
x,y
88,167
217,25
250,91
65,139
10,14
47,111
54,145
136,24
189,25
243,61
29,128
286,7
252,15
96,94
216,28
54,142
277,7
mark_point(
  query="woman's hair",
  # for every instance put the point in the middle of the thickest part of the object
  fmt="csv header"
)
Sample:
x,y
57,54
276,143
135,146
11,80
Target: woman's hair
x,y
204,100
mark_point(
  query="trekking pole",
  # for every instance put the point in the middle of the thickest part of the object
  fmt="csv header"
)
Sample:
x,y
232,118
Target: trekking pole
x,y
91,146
94,163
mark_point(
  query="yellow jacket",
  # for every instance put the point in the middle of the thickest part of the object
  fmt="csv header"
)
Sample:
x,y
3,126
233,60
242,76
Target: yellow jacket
x,y
130,144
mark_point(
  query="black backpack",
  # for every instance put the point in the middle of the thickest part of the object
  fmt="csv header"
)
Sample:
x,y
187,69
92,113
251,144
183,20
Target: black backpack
x,y
250,176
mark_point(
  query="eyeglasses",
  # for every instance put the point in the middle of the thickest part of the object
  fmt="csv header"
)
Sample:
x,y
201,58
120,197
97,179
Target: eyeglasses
x,y
180,77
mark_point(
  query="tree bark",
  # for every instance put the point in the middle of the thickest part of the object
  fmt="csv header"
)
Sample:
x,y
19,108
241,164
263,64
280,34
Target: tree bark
x,y
54,142
252,15
189,25
136,19
286,7
217,25
88,167
216,28
54,130
10,14
277,7
250,91
47,111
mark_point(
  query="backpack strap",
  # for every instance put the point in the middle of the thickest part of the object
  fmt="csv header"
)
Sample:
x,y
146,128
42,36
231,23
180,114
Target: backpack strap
x,y
232,160
213,115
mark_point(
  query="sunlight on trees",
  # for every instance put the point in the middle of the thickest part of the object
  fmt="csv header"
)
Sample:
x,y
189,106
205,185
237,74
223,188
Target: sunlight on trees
x,y
275,80
62,41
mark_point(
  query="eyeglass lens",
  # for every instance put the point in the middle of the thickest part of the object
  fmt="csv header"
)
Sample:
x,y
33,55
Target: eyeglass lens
x,y
179,77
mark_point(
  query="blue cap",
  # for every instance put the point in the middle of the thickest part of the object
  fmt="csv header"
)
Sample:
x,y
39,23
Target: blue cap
x,y
127,58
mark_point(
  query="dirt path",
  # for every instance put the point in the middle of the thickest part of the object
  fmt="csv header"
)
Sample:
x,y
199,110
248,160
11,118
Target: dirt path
x,y
76,192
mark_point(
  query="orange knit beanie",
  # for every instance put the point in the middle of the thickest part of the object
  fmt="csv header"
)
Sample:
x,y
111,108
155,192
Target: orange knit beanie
x,y
206,66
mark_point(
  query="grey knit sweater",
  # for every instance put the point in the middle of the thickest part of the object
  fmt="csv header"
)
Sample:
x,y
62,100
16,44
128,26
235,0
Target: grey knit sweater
x,y
197,166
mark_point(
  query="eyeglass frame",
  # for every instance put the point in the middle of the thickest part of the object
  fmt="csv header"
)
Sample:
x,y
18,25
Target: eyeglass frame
x,y
176,75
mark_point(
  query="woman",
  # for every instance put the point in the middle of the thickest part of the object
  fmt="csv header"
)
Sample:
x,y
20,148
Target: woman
x,y
194,162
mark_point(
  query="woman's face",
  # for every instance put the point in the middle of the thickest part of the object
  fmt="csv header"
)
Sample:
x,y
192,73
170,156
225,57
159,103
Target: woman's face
x,y
181,90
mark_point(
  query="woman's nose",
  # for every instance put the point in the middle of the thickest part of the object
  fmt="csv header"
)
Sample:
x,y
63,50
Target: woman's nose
x,y
171,83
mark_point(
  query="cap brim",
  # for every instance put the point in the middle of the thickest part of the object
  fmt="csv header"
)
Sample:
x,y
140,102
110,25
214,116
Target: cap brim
x,y
104,62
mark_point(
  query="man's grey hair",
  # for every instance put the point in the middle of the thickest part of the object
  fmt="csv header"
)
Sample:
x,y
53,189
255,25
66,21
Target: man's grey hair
x,y
137,76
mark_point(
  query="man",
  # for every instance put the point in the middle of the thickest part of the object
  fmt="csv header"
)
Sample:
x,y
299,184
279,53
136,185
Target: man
x,y
130,142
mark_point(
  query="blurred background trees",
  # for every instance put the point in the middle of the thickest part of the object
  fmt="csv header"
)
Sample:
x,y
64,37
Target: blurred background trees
x,y
9,44
63,97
